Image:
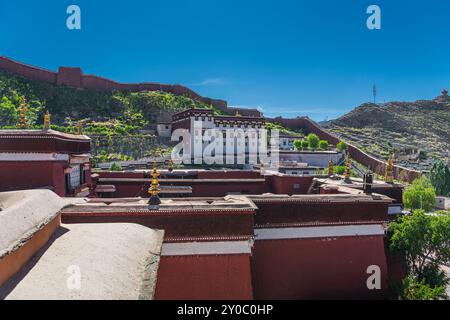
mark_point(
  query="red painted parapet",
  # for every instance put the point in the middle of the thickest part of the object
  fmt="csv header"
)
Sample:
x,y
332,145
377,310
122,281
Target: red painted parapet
x,y
284,184
209,183
320,209
43,141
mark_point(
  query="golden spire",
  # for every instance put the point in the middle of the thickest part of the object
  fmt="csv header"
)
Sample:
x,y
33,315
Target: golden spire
x,y
170,165
389,176
237,113
330,168
79,128
154,190
348,164
261,168
47,120
22,114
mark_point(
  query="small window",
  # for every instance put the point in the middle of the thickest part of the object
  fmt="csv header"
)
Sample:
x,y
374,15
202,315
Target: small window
x,y
296,186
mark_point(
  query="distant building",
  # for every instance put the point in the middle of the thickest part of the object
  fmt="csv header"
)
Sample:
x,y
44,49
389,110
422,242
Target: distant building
x,y
287,141
298,168
442,203
312,158
197,121
164,129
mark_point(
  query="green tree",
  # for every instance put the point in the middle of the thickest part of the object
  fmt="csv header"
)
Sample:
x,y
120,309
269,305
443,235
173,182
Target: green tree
x,y
423,242
323,144
8,112
305,145
420,195
298,144
440,178
420,290
115,167
341,146
313,140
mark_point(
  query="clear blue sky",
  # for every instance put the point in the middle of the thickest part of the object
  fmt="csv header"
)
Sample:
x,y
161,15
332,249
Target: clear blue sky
x,y
290,58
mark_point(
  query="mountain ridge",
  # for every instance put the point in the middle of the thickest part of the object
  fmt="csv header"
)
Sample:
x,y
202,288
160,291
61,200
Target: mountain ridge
x,y
420,128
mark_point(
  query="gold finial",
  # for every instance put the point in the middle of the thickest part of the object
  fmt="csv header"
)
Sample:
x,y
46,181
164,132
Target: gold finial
x,y
47,120
170,165
79,128
154,190
348,164
330,168
261,168
389,176
22,114
237,113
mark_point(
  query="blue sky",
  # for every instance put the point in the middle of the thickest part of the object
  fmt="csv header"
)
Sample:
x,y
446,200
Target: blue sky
x,y
287,57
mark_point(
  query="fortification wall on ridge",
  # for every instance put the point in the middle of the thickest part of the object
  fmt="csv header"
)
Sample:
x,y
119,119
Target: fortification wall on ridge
x,y
357,154
74,77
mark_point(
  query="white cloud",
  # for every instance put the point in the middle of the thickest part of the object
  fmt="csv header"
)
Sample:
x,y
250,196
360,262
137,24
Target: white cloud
x,y
210,82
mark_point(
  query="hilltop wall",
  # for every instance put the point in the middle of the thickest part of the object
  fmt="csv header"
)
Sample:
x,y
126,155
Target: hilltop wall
x,y
357,154
74,77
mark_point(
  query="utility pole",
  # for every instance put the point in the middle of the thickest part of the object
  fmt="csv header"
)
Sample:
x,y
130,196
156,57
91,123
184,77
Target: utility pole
x,y
374,92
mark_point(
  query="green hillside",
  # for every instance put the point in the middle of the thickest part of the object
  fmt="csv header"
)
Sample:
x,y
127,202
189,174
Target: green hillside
x,y
100,111
417,132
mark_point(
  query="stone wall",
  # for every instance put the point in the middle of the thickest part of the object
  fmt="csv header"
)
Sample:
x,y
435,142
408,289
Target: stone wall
x,y
74,77
357,154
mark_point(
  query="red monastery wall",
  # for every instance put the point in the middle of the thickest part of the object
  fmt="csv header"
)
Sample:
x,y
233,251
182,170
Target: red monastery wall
x,y
22,175
210,277
321,268
241,174
357,154
209,183
289,184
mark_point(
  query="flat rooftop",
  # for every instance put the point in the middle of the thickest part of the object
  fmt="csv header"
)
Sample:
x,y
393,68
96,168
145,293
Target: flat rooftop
x,y
40,132
355,197
114,260
231,202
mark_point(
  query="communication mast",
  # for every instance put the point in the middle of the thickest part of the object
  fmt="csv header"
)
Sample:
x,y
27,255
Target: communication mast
x,y
374,92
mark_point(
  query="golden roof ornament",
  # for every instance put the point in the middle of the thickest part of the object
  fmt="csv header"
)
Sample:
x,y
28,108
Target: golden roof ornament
x,y
47,117
348,164
389,176
330,168
22,114
170,165
262,169
154,202
79,128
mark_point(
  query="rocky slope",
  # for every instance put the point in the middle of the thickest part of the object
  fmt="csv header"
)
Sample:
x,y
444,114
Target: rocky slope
x,y
418,132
